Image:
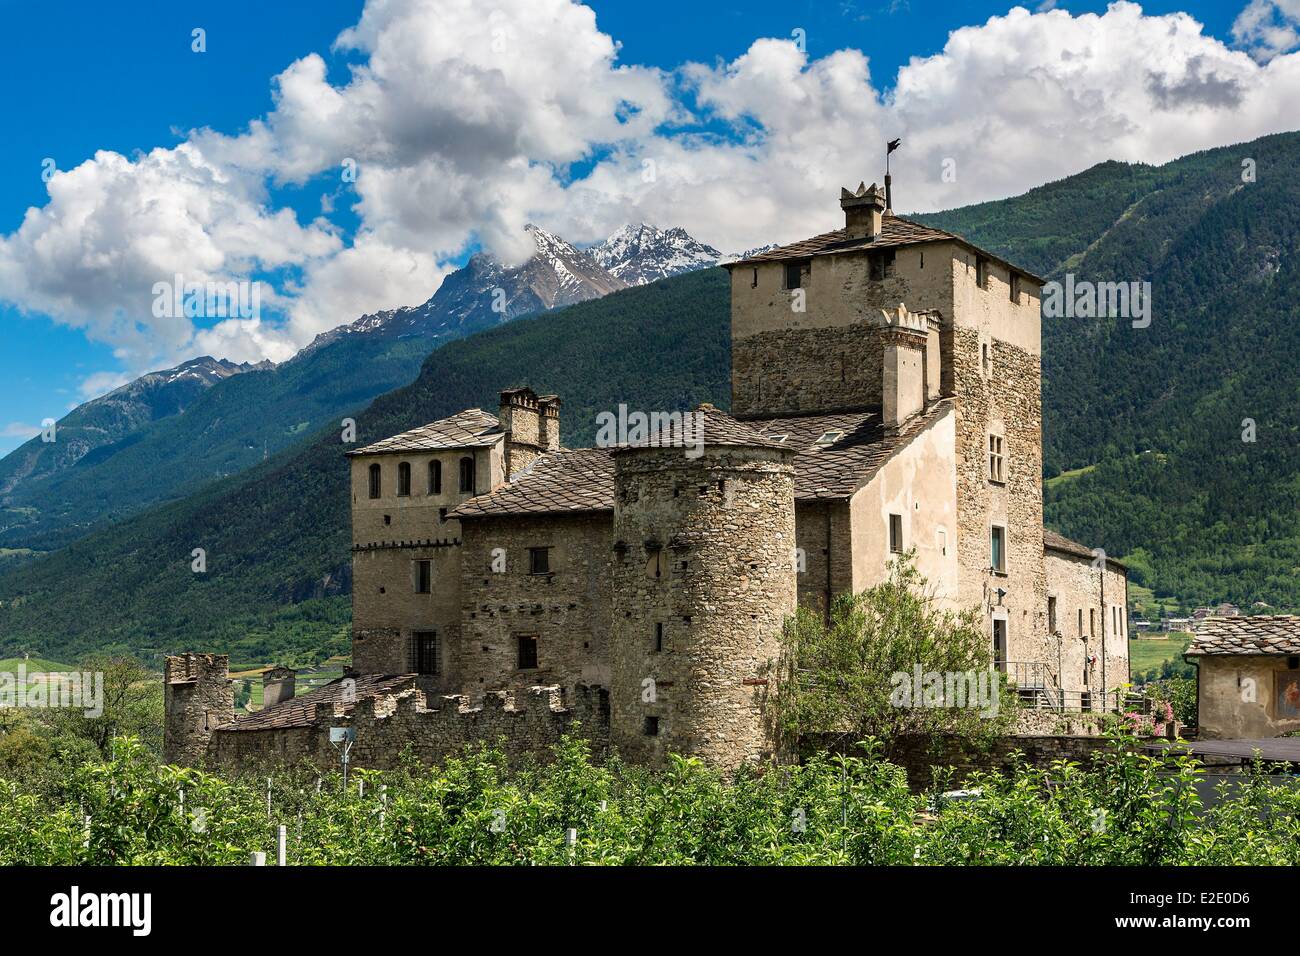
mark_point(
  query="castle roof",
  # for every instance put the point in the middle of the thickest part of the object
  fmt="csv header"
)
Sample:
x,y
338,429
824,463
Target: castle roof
x,y
895,231
1060,543
715,427
300,711
1261,635
834,456
472,428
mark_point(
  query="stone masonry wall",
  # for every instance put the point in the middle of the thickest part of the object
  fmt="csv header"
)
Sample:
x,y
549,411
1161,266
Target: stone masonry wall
x,y
1087,625
707,558
566,609
197,697
528,722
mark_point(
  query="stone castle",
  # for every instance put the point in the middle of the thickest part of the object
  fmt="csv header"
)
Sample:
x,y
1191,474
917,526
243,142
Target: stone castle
x,y
885,399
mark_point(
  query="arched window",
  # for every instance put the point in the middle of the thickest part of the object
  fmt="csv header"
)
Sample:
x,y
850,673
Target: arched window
x,y
404,479
374,481
435,477
467,475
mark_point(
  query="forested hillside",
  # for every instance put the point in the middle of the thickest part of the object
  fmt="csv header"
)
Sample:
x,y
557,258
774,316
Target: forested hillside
x,y
280,534
1154,418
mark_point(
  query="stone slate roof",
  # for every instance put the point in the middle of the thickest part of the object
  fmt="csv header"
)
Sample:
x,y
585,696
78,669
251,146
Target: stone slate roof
x,y
1259,635
301,711
563,482
894,231
838,468
472,428
582,480
1059,542
717,426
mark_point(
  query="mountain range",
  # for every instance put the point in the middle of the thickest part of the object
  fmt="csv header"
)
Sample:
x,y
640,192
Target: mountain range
x,y
167,433
1144,428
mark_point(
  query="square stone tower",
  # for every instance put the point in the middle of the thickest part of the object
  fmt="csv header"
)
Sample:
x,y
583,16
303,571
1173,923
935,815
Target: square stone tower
x,y
822,326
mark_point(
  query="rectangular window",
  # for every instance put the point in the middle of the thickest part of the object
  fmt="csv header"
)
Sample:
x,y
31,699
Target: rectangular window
x,y
659,637
1081,622
753,281
896,534
997,463
1015,288
651,727
467,475
539,560
881,265
998,548
527,652
981,272
1092,622
793,275
404,480
435,477
1051,614
424,648
423,577
1000,644
374,481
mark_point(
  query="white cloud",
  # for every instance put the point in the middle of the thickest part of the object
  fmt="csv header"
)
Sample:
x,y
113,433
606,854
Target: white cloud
x,y
19,430
1268,28
461,125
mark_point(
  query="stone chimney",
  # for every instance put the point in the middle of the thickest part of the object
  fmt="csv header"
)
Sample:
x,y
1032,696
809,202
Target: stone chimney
x,y
549,434
863,211
277,685
521,421
905,377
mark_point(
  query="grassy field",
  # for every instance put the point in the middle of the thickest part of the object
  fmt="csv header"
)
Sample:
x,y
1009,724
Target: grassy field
x,y
1067,475
10,665
1145,653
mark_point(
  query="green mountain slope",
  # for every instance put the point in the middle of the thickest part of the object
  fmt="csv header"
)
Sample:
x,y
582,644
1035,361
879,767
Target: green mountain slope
x,y
1160,412
279,534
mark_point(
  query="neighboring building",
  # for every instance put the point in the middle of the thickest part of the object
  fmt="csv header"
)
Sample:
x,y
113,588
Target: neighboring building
x,y
641,588
1248,676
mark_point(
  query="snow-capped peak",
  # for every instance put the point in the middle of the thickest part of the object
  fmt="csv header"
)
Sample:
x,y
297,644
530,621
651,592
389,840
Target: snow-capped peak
x,y
640,253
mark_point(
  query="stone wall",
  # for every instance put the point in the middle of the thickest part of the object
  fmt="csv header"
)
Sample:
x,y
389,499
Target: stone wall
x,y
703,582
829,355
1238,696
197,698
528,722
1088,624
566,609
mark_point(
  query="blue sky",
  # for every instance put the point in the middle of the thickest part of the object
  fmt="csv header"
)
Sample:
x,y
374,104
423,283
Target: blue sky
x,y
84,77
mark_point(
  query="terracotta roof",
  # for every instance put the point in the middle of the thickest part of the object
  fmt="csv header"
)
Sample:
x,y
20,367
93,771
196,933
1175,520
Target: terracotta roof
x,y
894,231
1059,542
1259,635
301,711
582,480
472,428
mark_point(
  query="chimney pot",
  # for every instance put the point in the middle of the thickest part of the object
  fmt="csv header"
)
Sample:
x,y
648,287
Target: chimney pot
x,y
863,211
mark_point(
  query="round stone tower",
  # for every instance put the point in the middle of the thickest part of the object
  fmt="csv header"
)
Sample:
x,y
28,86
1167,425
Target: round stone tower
x,y
704,579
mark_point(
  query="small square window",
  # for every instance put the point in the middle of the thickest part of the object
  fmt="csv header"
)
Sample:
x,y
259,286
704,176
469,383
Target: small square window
x,y
651,727
828,438
539,560
527,652
896,534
